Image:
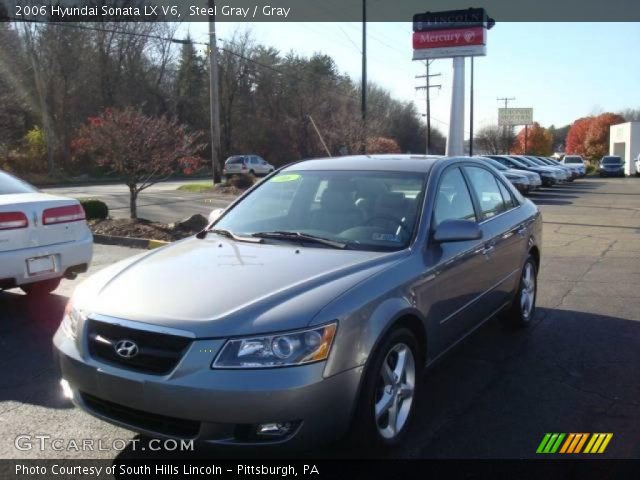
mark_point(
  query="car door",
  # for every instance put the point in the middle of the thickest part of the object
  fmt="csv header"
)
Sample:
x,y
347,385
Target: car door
x,y
453,281
262,166
504,235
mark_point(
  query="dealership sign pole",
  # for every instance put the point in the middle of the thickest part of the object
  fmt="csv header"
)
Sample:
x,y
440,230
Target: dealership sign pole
x,y
452,34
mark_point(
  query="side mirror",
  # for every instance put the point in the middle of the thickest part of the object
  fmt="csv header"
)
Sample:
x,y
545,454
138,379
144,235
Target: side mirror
x,y
457,231
215,214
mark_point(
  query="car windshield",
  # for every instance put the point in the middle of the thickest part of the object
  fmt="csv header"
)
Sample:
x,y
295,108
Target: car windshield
x,y
572,160
612,160
10,184
234,160
364,210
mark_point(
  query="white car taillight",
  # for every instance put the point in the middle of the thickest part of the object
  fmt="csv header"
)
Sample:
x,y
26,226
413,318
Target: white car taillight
x,y
13,220
70,213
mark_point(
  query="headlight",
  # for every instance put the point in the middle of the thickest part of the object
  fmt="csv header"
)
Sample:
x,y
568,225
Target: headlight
x,y
277,350
71,320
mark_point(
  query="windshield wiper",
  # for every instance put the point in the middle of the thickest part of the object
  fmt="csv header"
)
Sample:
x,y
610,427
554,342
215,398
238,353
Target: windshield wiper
x,y
228,234
301,237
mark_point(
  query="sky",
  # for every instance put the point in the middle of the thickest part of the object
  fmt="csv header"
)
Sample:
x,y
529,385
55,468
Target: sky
x,y
563,71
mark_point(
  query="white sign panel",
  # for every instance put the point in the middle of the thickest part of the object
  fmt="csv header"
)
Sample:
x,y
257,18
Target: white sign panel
x,y
449,52
515,116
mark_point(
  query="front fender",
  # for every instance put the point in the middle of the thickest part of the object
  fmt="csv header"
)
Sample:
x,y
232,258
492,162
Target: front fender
x,y
360,332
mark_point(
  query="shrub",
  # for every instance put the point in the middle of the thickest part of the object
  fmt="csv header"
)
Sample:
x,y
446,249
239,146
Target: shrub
x,y
591,168
241,181
95,209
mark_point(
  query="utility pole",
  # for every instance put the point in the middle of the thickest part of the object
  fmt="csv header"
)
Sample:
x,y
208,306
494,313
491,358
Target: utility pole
x,y
364,77
506,101
428,88
214,96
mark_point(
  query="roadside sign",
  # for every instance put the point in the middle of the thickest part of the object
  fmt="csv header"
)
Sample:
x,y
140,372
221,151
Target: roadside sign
x,y
515,116
450,52
470,17
452,33
450,38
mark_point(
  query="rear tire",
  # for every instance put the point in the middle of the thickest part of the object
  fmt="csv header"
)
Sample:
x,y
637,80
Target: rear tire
x,y
44,287
523,307
389,393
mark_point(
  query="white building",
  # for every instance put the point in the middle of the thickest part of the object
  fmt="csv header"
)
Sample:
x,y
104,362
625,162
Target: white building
x,y
624,141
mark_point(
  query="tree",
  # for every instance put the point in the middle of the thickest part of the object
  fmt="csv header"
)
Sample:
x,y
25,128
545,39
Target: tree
x,y
596,143
577,135
191,89
539,141
382,145
489,139
142,149
589,136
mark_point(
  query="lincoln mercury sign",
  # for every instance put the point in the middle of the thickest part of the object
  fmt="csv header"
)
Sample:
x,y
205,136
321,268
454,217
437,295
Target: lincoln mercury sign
x,y
515,116
453,33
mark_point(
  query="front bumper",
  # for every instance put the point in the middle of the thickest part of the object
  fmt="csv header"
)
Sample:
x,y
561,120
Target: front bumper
x,y
68,257
612,173
213,406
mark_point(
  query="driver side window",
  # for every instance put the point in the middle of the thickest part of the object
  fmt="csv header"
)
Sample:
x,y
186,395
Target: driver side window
x,y
453,200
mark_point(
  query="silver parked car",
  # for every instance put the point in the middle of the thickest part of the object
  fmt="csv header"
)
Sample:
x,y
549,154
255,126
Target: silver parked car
x,y
246,164
308,308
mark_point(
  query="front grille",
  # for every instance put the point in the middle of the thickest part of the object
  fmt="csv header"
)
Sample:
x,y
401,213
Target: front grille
x,y
171,426
157,353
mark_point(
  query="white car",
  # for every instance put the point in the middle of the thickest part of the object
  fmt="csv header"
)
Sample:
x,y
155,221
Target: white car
x,y
43,238
247,164
638,166
573,160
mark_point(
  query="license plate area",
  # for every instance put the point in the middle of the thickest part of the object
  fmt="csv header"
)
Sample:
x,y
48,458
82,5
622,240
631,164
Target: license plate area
x,y
41,265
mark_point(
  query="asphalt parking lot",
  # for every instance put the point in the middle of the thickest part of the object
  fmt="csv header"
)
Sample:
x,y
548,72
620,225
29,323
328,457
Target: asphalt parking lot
x,y
495,396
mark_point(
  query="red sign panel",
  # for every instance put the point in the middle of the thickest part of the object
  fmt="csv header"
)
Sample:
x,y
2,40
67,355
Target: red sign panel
x,y
459,37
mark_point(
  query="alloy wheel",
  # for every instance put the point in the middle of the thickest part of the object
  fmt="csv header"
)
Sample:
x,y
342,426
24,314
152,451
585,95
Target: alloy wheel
x,y
528,292
395,391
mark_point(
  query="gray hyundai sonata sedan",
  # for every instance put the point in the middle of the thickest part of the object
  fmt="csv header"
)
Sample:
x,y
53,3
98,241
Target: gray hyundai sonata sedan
x,y
309,308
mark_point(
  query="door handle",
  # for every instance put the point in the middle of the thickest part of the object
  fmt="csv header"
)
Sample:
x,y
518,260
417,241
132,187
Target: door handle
x,y
488,250
522,230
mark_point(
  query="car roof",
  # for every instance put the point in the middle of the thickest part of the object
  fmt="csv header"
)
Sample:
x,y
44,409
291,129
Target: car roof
x,y
374,162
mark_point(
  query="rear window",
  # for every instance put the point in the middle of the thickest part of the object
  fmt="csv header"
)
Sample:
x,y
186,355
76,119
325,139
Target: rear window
x,y
10,184
234,160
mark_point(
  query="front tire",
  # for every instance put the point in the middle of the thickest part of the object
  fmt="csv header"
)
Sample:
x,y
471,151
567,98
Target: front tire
x,y
389,391
523,307
43,287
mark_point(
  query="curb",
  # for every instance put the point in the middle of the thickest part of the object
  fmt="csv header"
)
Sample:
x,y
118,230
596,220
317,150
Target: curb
x,y
144,243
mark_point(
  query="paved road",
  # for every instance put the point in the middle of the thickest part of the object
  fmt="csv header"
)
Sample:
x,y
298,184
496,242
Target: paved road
x,y
575,369
161,202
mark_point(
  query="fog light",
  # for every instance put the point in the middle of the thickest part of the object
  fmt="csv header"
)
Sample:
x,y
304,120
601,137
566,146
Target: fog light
x,y
274,429
66,389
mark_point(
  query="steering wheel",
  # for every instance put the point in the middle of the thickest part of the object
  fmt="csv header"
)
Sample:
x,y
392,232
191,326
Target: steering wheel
x,y
390,218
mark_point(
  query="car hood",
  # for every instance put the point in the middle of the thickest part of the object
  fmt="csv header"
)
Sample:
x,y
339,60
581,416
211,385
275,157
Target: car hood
x,y
218,287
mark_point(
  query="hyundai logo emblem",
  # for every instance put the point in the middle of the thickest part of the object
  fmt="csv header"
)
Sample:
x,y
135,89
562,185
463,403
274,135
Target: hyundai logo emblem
x,y
126,349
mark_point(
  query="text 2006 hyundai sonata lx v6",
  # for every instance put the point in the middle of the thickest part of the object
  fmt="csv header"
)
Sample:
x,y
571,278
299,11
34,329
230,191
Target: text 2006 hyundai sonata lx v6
x,y
308,308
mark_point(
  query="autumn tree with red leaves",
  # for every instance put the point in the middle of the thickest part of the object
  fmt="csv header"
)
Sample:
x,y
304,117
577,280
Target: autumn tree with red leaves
x,y
596,144
142,149
539,141
589,136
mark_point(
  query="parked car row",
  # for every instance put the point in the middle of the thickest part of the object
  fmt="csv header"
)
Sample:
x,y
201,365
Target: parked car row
x,y
535,171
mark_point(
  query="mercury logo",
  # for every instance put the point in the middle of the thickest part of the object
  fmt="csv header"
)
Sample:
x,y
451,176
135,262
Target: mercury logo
x,y
469,36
